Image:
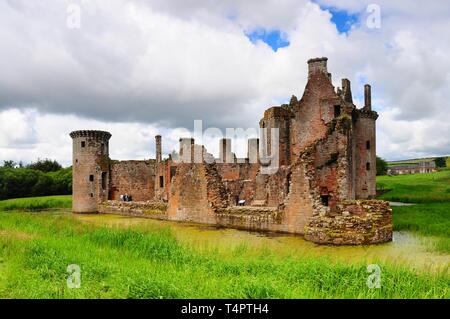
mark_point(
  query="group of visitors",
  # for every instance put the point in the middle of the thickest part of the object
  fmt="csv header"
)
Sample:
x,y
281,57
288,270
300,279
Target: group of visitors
x,y
126,198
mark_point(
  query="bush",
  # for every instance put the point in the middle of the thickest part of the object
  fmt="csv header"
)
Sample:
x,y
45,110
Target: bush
x,y
440,162
382,166
26,182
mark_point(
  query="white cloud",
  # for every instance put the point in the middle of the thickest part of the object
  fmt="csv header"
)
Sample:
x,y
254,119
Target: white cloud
x,y
137,68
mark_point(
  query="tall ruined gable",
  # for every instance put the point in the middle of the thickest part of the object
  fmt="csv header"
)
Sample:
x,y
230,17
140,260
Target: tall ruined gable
x,y
315,109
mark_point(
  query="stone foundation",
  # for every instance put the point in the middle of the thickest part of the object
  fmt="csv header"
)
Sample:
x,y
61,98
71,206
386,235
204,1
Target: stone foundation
x,y
149,209
355,222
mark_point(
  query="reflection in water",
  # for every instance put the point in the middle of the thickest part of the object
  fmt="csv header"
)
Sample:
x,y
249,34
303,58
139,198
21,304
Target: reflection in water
x,y
406,248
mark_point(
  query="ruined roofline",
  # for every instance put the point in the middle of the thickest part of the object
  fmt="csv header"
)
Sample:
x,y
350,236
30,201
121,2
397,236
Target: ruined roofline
x,y
150,161
91,133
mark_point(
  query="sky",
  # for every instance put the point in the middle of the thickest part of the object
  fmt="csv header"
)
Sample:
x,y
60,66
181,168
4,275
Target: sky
x,y
141,68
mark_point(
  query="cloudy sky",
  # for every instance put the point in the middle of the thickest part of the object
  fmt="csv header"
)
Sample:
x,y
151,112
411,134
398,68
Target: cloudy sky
x,y
140,68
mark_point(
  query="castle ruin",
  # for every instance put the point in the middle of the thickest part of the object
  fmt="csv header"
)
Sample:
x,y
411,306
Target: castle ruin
x,y
323,188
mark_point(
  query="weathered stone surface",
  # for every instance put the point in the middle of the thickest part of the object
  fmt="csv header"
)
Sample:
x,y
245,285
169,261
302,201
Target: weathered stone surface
x,y
148,209
353,223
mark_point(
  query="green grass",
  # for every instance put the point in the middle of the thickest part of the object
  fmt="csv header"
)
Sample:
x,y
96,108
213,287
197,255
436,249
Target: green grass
x,y
36,203
416,188
428,220
431,217
35,250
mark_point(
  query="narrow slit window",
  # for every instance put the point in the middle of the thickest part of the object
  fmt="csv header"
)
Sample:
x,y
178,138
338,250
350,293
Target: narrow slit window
x,y
83,144
368,145
325,199
161,181
91,178
337,110
368,166
103,180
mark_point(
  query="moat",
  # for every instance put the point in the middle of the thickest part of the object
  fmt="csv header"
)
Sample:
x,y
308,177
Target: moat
x,y
406,249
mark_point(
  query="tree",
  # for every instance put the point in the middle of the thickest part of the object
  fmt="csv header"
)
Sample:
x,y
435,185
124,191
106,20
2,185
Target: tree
x,y
440,161
9,164
382,166
45,165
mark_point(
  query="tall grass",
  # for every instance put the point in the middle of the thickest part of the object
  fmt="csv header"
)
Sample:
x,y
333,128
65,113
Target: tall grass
x,y
138,263
431,217
426,219
36,203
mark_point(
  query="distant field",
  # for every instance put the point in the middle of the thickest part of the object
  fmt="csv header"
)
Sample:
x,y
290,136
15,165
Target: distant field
x,y
415,161
37,203
416,188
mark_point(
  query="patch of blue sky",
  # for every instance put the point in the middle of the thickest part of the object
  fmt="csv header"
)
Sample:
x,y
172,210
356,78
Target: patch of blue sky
x,y
274,38
343,19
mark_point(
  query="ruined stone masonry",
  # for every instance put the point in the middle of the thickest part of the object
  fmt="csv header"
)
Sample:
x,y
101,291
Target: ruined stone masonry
x,y
324,187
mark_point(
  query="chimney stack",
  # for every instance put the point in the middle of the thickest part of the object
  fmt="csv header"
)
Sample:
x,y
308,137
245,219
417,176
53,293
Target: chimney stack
x,y
317,65
367,97
186,151
347,91
225,150
158,148
253,150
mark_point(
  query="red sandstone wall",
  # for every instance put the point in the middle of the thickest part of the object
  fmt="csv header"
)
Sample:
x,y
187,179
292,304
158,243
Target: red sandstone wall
x,y
189,195
310,114
135,178
365,180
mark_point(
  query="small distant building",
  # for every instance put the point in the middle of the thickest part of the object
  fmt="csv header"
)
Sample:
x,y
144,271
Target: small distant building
x,y
426,166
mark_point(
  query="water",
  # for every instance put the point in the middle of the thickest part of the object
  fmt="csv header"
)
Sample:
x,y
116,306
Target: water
x,y
406,249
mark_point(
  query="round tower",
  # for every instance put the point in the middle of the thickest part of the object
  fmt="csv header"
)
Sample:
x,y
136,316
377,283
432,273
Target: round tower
x,y
90,170
365,149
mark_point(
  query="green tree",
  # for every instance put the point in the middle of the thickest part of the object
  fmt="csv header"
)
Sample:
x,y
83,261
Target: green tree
x,y
9,164
382,166
45,165
440,161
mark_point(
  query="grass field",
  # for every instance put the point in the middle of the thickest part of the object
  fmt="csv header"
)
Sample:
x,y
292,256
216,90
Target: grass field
x,y
37,203
35,250
416,188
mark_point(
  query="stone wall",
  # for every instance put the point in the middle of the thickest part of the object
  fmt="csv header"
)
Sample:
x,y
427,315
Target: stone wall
x,y
251,218
354,223
149,209
135,178
189,195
